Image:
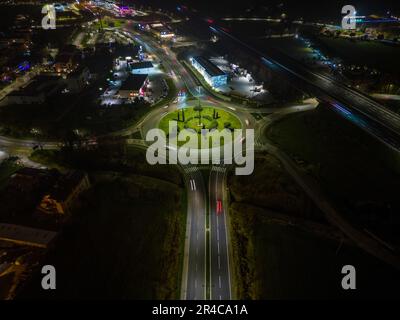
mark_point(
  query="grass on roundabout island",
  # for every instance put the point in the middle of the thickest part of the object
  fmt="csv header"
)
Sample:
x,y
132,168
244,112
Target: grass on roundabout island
x,y
211,118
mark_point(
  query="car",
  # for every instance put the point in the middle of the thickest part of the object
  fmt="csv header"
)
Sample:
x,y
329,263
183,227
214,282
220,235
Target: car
x,y
219,206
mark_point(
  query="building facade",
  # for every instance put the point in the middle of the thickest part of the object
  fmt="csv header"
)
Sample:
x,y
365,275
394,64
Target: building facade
x,y
213,75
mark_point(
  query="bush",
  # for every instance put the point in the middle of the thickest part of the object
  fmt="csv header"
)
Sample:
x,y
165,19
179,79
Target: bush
x,y
213,125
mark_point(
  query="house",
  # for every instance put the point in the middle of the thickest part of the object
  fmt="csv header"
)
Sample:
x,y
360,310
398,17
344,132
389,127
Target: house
x,y
133,86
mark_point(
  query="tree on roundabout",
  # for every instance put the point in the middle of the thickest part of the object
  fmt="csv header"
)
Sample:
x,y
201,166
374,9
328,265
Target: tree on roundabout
x,y
198,108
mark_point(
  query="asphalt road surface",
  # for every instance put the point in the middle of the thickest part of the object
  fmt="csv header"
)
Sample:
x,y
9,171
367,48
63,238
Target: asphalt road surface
x,y
196,272
220,285
355,106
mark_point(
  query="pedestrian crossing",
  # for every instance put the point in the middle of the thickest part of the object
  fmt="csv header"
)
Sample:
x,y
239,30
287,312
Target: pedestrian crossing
x,y
219,169
193,169
190,169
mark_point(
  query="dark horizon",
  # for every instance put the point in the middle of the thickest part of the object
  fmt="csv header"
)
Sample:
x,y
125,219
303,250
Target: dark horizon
x,y
306,9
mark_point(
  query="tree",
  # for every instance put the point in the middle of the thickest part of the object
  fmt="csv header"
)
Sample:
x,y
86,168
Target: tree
x,y
198,109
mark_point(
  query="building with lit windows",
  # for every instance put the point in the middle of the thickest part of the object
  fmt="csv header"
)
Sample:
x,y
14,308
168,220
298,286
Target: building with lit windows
x,y
214,76
161,31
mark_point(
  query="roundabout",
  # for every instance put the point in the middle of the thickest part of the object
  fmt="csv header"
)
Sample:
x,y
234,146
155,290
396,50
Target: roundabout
x,y
198,125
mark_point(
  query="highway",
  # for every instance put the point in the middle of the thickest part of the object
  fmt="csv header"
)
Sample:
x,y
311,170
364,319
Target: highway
x,y
194,274
317,195
206,270
220,282
353,105
206,273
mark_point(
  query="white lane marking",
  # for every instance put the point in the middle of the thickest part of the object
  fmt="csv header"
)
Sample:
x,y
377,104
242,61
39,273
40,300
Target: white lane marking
x,y
227,257
191,184
218,246
220,298
194,185
217,234
219,281
219,262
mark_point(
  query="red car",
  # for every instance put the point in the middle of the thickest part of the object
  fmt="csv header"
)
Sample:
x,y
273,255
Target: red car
x,y
219,206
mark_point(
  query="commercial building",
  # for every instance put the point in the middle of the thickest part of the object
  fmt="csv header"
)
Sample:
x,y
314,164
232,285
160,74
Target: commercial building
x,y
214,76
144,67
133,86
161,31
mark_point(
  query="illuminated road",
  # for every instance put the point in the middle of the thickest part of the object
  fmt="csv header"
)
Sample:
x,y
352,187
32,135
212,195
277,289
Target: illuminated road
x,y
363,111
317,195
194,273
220,281
206,273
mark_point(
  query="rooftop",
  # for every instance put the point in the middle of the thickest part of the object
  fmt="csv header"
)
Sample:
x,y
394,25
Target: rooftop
x,y
210,67
134,82
25,235
142,65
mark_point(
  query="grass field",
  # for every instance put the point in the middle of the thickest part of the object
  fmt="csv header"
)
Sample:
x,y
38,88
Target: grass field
x,y
289,263
356,171
271,188
276,256
123,245
370,53
108,22
7,168
107,157
192,124
53,120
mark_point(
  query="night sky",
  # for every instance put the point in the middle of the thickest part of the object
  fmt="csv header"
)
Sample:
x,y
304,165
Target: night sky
x,y
307,9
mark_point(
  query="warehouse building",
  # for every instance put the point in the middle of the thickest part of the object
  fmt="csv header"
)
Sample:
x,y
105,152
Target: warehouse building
x,y
144,67
214,76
